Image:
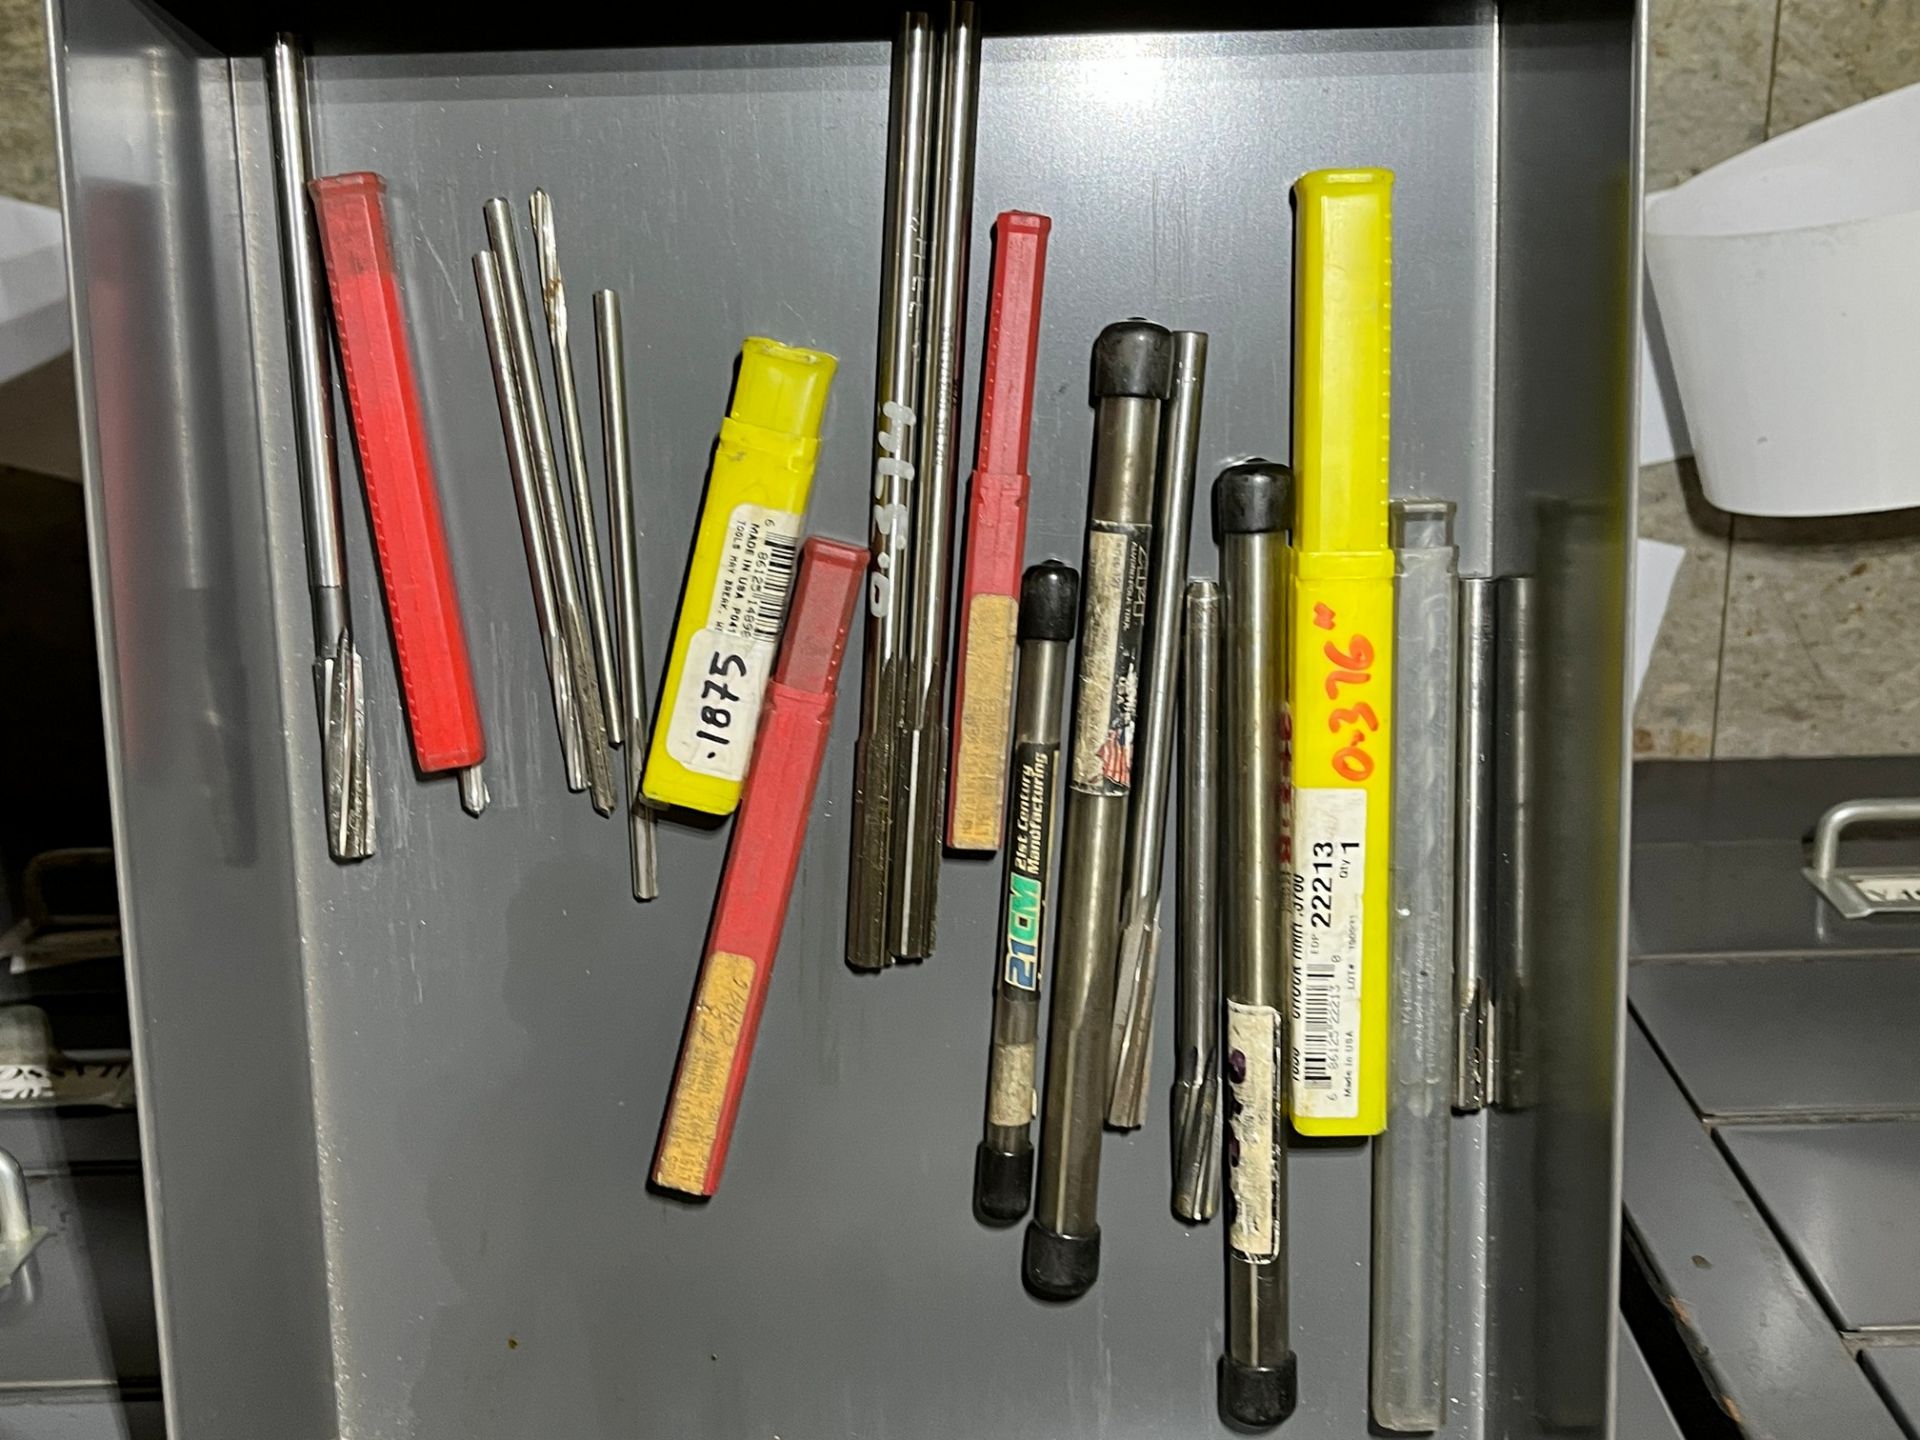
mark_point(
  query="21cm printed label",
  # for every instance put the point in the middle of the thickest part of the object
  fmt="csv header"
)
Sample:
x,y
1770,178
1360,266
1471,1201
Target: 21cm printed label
x,y
1027,860
717,709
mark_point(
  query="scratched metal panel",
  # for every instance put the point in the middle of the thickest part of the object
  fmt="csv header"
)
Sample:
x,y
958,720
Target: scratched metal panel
x,y
1736,801
1896,1369
50,1141
1718,851
78,1416
80,1312
1641,1411
1841,1196
197,747
491,1024
1790,1038
1765,1348
731,193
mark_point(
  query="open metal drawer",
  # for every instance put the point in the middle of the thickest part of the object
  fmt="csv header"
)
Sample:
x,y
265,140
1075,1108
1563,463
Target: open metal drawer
x,y
399,1115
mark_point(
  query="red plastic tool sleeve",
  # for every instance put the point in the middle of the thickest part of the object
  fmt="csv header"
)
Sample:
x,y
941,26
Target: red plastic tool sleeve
x,y
391,437
996,536
751,908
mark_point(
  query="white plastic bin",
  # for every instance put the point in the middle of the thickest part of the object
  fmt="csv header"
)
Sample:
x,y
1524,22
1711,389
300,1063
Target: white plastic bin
x,y
1788,280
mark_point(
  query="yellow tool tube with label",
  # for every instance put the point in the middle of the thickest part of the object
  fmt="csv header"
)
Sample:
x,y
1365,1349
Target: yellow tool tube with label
x,y
740,578
1342,681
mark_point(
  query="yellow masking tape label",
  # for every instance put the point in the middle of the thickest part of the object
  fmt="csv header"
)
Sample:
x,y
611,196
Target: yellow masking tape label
x,y
1010,1092
706,1064
986,724
1254,1078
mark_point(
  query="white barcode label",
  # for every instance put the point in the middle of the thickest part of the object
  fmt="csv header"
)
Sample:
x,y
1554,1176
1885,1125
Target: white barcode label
x,y
710,729
1328,885
1253,1122
755,578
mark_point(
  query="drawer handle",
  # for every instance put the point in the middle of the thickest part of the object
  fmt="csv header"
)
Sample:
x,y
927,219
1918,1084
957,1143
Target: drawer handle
x,y
1866,890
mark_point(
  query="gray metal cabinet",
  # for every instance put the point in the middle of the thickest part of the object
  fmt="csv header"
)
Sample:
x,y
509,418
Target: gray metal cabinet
x,y
401,1113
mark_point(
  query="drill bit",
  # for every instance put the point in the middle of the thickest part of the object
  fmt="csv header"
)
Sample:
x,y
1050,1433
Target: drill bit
x,y
610,348
1474,861
1003,1163
896,394
1132,376
590,726
344,757
486,272
920,785
553,296
473,790
1196,1085
339,687
1253,508
1138,965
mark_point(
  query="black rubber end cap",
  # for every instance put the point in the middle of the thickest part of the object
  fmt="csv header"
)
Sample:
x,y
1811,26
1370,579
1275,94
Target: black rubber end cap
x,y
1253,497
1002,1185
1060,1267
1254,1397
1049,601
1133,357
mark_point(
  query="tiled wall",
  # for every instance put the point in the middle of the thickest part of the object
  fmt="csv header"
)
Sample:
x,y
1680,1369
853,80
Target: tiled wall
x,y
1782,637
26,121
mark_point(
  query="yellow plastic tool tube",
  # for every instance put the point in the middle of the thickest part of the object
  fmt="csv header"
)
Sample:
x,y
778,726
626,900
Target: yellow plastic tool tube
x,y
1342,654
734,603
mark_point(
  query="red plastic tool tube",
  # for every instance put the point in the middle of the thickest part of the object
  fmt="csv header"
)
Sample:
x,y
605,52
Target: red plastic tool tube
x,y
391,437
996,538
751,909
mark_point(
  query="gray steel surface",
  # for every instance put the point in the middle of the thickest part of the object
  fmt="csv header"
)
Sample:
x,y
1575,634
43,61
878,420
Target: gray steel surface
x,y
1749,898
1717,851
1640,1411
1896,1369
203,690
76,1415
1764,1345
1843,1197
441,1072
1788,1037
1742,801
48,1140
80,1312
